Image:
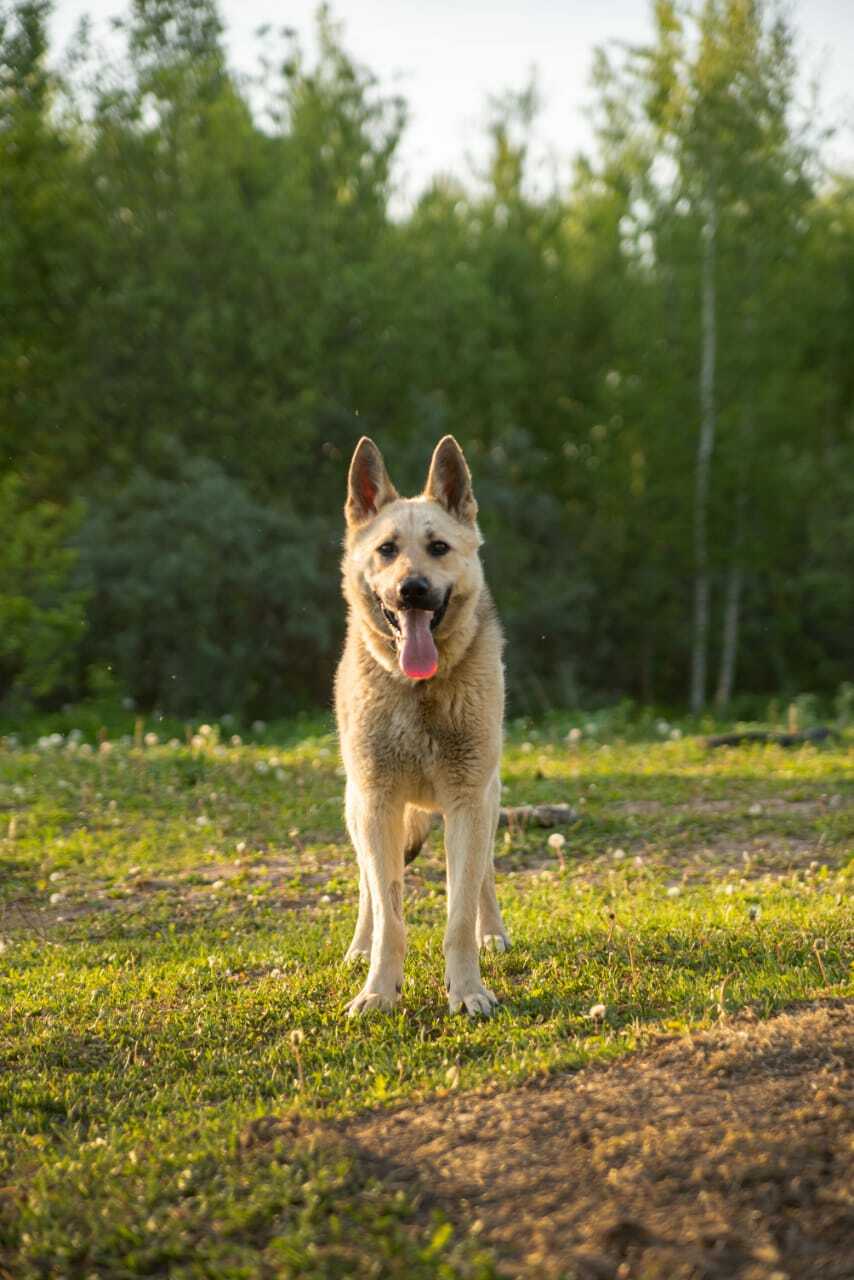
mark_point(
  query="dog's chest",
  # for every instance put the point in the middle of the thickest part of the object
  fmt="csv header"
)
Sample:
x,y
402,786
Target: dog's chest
x,y
421,744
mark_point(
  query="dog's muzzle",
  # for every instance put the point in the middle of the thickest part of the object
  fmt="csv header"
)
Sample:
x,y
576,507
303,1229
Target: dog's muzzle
x,y
438,608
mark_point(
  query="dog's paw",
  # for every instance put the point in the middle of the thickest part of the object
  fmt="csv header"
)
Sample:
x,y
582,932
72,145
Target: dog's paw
x,y
497,942
356,955
367,1002
477,1004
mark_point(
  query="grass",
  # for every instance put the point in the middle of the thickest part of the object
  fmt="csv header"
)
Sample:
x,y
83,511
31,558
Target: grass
x,y
172,922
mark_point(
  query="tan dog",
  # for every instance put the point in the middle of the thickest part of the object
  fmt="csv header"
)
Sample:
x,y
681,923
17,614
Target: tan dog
x,y
419,698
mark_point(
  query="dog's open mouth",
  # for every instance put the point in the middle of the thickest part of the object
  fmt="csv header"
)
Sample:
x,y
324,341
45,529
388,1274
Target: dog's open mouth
x,y
417,654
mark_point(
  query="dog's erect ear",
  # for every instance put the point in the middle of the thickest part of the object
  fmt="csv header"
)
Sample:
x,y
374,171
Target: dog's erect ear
x,y
368,485
449,481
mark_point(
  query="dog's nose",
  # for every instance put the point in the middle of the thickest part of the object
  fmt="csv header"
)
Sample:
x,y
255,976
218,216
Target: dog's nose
x,y
414,592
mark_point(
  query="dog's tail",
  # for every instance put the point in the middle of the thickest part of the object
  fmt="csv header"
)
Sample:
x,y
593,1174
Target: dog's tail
x,y
416,827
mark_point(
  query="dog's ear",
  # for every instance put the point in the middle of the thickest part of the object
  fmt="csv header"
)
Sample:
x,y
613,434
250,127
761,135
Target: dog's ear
x,y
449,481
368,485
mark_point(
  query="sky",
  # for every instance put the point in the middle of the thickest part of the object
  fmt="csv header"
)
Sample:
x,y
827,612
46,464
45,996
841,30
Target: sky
x,y
447,57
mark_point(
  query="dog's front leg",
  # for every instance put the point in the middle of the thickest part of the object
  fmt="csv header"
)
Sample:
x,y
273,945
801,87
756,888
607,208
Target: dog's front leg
x,y
379,833
468,846
360,948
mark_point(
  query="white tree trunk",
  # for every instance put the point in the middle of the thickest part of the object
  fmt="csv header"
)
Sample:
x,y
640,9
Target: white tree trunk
x,y
729,649
702,474
735,577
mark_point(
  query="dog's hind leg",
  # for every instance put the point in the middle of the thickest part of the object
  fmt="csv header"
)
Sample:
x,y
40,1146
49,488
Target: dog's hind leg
x,y
491,930
416,825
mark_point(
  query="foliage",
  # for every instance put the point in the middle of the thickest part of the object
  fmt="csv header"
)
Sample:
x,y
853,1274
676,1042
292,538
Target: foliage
x,y
41,613
206,267
200,596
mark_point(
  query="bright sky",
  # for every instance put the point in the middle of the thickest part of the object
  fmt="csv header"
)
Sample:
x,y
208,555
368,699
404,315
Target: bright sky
x,y
446,57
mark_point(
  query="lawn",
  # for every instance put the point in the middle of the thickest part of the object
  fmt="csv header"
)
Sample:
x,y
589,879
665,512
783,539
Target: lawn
x,y
176,1077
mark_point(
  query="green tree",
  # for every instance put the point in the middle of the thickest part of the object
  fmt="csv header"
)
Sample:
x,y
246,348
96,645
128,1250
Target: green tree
x,y
42,619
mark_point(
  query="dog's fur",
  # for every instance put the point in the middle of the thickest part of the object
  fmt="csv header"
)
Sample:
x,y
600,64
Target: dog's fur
x,y
415,746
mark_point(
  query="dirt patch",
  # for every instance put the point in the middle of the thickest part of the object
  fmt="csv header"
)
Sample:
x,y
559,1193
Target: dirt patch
x,y
738,806
729,1156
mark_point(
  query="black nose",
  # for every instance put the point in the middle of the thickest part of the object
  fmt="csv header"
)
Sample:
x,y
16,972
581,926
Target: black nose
x,y
414,592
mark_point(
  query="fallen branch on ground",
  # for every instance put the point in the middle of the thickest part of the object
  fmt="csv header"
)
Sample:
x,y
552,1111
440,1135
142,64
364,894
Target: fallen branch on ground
x,y
537,815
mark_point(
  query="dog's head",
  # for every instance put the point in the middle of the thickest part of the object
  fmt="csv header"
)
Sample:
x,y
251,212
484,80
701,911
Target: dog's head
x,y
411,569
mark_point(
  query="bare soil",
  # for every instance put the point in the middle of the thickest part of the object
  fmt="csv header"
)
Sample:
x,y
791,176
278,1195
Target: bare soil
x,y
726,1156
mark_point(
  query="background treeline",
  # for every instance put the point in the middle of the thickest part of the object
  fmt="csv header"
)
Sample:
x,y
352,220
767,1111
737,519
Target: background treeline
x,y
206,300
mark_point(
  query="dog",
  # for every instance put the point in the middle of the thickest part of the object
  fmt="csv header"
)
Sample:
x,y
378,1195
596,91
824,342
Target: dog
x,y
419,699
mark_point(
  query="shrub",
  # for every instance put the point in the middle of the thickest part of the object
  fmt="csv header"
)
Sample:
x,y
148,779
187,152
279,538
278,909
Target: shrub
x,y
203,599
41,613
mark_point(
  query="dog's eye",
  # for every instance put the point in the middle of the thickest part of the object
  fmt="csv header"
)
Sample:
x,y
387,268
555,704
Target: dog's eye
x,y
388,550
438,548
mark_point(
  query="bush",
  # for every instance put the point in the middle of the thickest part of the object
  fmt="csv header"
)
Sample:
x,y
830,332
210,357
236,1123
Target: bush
x,y
202,599
41,613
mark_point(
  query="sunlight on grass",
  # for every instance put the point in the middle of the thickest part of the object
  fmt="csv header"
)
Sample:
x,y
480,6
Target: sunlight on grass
x,y
172,928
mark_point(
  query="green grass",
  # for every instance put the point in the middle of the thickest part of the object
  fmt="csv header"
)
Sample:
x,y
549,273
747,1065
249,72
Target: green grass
x,y
173,919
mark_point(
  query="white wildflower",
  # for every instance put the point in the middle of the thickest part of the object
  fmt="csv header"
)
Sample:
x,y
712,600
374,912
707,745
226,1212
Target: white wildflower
x,y
556,840
597,1012
673,891
151,739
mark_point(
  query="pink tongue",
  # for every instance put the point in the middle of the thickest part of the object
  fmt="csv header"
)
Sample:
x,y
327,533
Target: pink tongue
x,y
418,656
